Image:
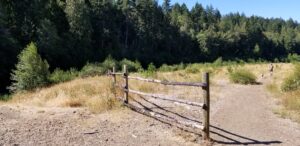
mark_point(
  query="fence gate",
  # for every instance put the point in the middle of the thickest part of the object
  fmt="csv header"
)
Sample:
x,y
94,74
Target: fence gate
x,y
204,85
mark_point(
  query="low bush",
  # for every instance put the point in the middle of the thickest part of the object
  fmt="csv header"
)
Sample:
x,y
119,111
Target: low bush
x,y
131,66
109,63
292,82
218,62
193,68
92,69
242,76
59,75
151,71
5,97
168,68
293,58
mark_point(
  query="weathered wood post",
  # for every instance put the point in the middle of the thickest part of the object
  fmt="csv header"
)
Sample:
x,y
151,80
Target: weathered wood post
x,y
114,76
206,107
126,84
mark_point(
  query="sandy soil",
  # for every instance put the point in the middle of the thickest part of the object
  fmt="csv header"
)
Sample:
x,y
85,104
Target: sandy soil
x,y
242,115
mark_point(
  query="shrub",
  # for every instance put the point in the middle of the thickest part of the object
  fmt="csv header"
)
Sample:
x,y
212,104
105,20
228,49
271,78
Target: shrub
x,y
151,71
31,71
293,58
167,68
218,62
62,76
131,66
192,69
242,77
5,97
292,82
109,63
151,68
91,69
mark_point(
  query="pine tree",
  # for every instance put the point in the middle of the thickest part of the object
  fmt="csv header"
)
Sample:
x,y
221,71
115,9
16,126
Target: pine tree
x,y
31,71
166,6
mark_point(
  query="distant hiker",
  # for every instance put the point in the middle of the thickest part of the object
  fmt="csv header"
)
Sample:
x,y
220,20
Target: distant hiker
x,y
271,69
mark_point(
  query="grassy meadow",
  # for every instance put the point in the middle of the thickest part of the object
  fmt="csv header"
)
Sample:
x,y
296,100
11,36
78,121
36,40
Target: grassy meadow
x,y
96,93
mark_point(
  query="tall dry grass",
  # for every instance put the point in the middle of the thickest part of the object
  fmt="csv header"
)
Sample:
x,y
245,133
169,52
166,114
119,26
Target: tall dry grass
x,y
94,93
289,101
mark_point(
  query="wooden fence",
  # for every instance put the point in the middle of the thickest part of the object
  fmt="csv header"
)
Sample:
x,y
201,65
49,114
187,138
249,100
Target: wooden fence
x,y
204,86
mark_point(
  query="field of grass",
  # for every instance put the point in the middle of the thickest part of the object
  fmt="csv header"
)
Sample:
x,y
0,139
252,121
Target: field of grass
x,y
98,95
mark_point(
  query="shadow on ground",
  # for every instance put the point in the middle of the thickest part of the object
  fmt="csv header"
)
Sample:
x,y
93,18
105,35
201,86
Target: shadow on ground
x,y
217,133
230,138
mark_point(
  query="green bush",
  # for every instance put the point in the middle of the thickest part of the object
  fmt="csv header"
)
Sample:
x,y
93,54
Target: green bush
x,y
5,97
151,71
218,62
242,76
131,66
168,68
31,71
192,68
292,82
92,69
293,58
109,63
62,76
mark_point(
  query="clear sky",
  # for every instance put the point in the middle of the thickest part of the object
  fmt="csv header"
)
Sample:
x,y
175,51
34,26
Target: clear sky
x,y
267,8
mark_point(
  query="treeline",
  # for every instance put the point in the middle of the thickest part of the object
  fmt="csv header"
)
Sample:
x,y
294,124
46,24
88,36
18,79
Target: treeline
x,y
70,33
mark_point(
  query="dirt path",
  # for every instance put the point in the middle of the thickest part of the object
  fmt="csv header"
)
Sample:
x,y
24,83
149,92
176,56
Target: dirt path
x,y
243,116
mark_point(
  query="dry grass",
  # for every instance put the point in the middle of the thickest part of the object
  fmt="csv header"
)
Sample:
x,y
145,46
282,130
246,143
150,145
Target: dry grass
x,y
273,88
95,93
290,101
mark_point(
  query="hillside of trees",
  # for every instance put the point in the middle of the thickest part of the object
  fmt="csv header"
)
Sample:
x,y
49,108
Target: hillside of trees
x,y
70,33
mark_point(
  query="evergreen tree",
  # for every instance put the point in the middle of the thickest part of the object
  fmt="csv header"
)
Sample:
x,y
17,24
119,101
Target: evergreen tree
x,y
31,71
166,6
8,52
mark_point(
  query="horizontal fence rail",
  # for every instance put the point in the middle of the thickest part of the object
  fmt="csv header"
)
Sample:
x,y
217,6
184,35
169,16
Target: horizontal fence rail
x,y
205,105
168,82
163,97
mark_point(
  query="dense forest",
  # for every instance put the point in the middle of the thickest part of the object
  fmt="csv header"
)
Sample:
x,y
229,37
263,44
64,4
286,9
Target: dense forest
x,y
70,33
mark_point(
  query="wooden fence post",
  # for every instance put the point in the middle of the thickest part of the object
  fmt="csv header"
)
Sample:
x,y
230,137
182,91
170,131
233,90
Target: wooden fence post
x,y
126,83
206,107
114,76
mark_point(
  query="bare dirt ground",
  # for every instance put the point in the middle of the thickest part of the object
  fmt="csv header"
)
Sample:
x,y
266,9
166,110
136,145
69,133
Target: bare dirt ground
x,y
241,115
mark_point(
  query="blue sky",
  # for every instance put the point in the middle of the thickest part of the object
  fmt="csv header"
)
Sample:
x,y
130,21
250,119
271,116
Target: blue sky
x,y
267,8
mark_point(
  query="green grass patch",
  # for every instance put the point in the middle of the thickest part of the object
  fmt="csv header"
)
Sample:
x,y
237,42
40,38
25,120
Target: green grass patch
x,y
242,76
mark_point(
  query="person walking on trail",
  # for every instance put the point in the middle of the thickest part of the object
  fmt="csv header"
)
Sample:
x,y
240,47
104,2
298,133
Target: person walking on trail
x,y
271,69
